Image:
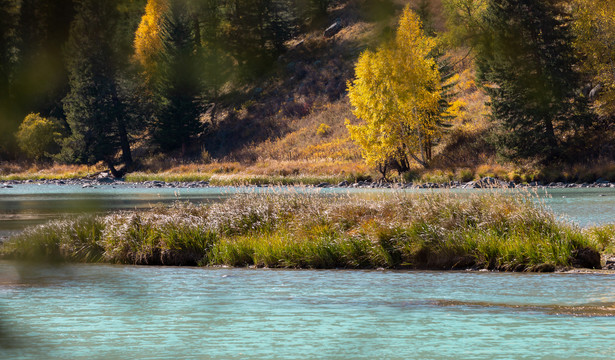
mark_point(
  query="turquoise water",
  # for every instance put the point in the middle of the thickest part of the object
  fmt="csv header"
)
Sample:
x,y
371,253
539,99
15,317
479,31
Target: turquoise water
x,y
124,312
31,204
113,312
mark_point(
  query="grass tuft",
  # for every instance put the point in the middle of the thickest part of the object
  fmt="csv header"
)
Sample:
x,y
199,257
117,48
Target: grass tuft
x,y
493,230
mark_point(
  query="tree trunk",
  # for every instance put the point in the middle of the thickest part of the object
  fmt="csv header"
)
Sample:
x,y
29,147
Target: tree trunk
x,y
382,168
421,162
125,144
116,174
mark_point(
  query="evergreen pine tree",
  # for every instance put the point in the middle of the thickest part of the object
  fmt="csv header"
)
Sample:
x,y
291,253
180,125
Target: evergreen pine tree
x,y
93,108
179,123
41,79
257,32
8,121
169,49
217,64
526,62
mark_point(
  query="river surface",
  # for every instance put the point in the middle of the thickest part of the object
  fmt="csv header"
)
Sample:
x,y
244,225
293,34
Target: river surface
x,y
126,312
31,204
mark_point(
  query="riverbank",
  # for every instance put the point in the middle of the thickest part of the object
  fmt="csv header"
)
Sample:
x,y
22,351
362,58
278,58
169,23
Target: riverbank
x,y
402,231
174,173
104,179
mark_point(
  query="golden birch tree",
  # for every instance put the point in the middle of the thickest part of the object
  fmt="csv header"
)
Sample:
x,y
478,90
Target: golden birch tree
x,y
396,94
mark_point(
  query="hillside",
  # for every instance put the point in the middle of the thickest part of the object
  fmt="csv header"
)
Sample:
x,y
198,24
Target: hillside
x,y
279,117
295,115
263,91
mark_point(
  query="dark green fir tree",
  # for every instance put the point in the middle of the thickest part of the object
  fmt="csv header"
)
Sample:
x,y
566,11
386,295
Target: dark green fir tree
x,y
178,125
93,107
526,62
8,121
41,78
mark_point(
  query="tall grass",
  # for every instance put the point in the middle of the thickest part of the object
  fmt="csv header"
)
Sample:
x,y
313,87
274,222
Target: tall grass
x,y
261,173
436,231
38,172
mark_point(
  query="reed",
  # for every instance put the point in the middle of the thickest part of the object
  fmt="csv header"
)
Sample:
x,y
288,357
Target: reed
x,y
60,240
493,230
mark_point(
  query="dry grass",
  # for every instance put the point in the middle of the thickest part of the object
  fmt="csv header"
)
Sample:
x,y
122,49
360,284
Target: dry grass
x,y
307,143
265,172
46,171
436,231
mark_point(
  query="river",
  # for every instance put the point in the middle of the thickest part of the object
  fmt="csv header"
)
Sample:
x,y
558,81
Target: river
x,y
126,312
112,312
30,204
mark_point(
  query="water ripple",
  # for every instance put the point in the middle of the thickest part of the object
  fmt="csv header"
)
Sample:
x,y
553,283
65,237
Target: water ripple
x,y
587,310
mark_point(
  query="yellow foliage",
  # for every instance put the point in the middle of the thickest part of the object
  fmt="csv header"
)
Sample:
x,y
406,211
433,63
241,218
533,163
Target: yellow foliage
x,y
457,108
337,149
39,137
594,27
149,36
396,94
323,129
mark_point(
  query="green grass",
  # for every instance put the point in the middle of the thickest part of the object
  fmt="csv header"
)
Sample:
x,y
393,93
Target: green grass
x,y
239,179
435,231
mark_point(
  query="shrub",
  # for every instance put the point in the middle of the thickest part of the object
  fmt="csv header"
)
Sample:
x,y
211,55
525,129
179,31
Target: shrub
x,y
323,130
411,176
465,175
38,137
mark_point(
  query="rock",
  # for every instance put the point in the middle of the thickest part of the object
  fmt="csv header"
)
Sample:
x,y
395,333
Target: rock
x,y
468,185
105,180
489,182
343,184
323,185
586,258
542,268
333,29
595,91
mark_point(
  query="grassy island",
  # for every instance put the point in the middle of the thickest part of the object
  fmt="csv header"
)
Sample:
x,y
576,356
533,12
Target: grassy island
x,y
436,231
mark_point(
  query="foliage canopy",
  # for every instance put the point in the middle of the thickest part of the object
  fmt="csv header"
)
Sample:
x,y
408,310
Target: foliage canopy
x,y
594,27
40,138
397,94
525,61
